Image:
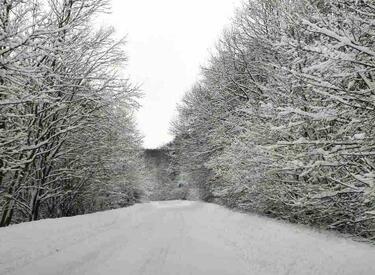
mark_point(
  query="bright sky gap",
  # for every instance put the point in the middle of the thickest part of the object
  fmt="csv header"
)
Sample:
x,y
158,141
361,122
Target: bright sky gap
x,y
167,42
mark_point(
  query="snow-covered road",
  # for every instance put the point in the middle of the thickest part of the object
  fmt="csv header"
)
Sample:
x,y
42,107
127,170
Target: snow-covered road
x,y
171,238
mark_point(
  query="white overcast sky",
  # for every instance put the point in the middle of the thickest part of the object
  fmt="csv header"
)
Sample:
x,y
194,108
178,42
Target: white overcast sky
x,y
167,41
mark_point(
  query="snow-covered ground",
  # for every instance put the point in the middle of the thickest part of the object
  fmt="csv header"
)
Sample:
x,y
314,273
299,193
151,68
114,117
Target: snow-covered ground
x,y
177,238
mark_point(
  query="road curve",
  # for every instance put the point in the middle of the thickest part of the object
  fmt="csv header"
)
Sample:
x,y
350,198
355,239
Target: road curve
x,y
177,237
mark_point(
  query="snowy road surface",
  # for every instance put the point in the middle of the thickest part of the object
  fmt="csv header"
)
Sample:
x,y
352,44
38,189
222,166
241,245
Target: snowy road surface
x,y
171,238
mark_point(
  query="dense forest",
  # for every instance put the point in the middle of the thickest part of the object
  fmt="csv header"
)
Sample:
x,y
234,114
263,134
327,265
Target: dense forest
x,y
281,122
162,179
68,142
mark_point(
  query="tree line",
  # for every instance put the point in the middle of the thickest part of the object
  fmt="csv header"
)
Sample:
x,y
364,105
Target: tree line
x,y
281,121
68,141
161,175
